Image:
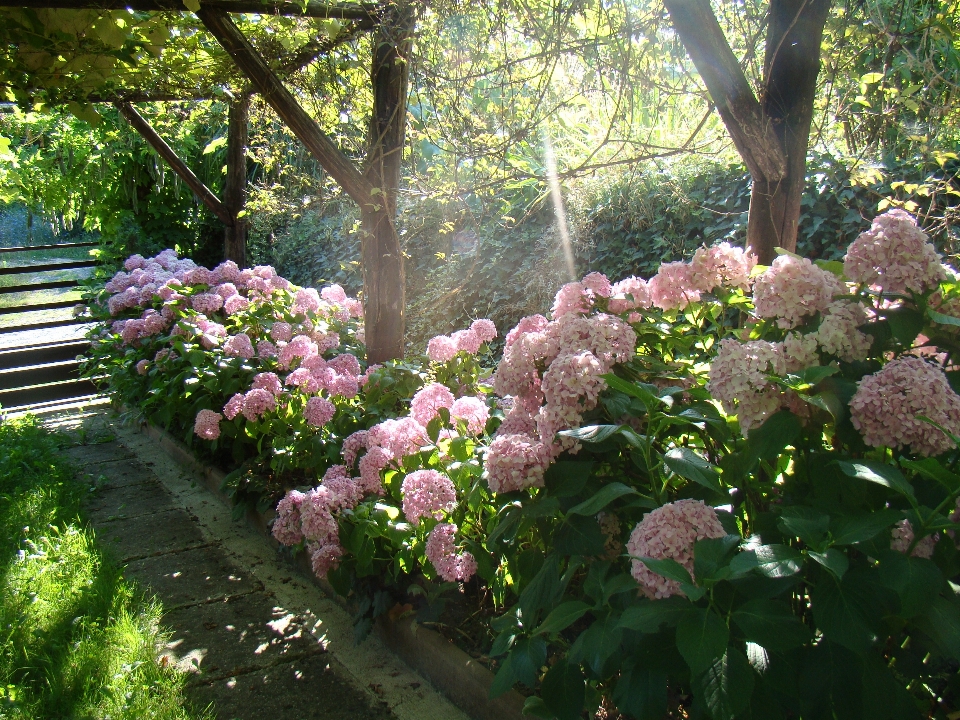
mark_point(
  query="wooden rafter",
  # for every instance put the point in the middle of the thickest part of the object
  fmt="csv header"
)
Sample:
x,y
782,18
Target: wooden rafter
x,y
310,8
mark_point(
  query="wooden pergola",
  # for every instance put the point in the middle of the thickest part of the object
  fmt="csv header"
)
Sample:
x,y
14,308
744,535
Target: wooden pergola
x,y
373,186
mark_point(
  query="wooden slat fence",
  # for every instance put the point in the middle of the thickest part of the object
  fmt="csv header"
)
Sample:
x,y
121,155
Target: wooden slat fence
x,y
35,373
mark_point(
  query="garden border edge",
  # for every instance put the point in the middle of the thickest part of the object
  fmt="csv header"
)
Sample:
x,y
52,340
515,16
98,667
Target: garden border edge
x,y
455,674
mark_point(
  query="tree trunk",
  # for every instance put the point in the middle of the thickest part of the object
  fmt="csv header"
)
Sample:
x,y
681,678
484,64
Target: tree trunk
x,y
792,64
235,185
383,272
772,133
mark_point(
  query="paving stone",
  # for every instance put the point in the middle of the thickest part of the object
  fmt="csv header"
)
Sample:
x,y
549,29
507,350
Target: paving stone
x,y
116,473
162,532
127,501
192,576
237,635
86,455
305,689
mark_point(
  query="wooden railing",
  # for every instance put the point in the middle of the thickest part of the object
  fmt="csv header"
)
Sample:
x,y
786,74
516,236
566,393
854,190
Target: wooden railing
x,y
38,369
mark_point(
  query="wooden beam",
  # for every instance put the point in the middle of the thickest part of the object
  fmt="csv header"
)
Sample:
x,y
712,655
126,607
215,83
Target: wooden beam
x,y
383,270
751,130
286,106
310,8
235,183
139,124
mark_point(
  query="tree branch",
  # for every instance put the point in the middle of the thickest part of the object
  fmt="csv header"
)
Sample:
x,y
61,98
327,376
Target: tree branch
x,y
309,8
740,110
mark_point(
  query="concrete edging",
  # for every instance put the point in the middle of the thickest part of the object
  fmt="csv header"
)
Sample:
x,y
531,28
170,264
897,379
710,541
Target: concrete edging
x,y
459,677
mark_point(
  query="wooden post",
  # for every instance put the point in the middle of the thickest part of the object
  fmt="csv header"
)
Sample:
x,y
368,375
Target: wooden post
x,y
383,271
235,184
382,259
140,124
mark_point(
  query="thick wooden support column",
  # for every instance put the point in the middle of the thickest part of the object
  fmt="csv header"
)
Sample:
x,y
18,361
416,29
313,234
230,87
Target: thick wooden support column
x,y
235,185
383,264
139,124
383,271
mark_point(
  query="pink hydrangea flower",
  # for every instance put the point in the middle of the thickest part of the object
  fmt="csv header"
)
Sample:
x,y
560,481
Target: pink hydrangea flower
x,y
473,411
427,493
515,462
529,324
306,300
267,381
597,284
300,346
239,346
257,402
281,331
316,519
334,294
286,525
629,294
739,379
207,424
442,553
346,364
672,288
234,304
571,298
441,348
484,329
324,557
352,445
142,367
902,536
134,261
792,289
887,404
427,402
266,349
319,411
721,266
669,532
895,255
345,491
467,341
234,406
839,334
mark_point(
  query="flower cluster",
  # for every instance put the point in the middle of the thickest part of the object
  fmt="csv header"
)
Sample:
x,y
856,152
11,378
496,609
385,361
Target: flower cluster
x,y
793,289
427,493
442,552
887,407
669,532
445,347
894,255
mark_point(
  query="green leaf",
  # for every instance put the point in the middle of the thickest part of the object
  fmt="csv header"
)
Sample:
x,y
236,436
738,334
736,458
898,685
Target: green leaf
x,y
562,617
942,623
668,568
535,706
563,690
860,528
640,693
580,535
842,611
805,523
930,468
527,656
776,561
644,392
591,433
727,685
905,324
542,591
216,143
770,624
917,581
606,495
648,616
943,319
702,637
768,440
504,679
566,478
711,554
833,560
600,641
687,464
879,473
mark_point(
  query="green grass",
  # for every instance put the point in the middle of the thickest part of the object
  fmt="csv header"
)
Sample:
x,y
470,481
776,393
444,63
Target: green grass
x,y
76,639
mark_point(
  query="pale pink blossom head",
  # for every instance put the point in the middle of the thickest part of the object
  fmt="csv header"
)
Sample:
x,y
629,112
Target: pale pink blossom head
x,y
442,553
258,402
207,424
427,402
573,298
334,294
901,537
286,525
142,367
234,406
467,340
895,255
441,348
281,331
792,289
267,381
669,532
672,287
427,493
721,266
629,294
239,346
484,329
473,411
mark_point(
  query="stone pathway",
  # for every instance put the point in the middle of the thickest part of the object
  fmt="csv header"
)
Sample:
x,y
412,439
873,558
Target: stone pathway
x,y
257,640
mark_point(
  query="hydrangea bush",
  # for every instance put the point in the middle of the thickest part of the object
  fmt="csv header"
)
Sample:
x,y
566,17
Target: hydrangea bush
x,y
727,491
